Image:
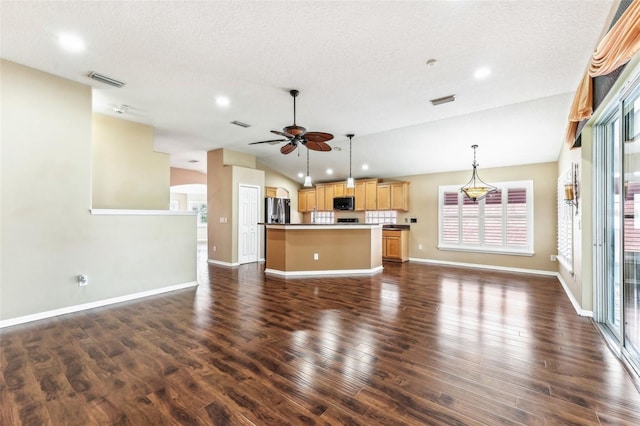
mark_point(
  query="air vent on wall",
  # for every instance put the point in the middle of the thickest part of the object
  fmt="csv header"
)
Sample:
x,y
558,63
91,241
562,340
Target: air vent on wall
x,y
443,100
107,80
240,123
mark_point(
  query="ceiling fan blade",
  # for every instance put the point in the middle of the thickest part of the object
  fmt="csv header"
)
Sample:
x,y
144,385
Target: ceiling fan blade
x,y
318,136
287,135
288,148
272,142
317,146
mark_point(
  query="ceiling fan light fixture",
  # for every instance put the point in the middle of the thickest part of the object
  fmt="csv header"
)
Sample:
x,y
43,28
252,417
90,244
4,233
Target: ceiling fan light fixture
x,y
297,135
476,189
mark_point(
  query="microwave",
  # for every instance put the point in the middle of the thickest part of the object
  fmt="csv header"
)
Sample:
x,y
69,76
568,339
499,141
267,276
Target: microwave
x,y
343,203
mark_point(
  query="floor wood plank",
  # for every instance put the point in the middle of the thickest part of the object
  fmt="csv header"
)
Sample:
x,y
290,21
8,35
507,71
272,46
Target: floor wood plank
x,y
416,344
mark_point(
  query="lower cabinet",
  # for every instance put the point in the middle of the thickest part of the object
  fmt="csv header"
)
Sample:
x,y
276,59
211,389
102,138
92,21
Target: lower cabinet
x,y
395,245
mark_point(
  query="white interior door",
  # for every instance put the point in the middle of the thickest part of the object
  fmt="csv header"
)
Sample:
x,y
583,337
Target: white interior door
x,y
248,210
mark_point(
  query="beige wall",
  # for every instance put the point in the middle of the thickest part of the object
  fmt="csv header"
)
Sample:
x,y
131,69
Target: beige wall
x,y
423,205
127,173
277,180
219,204
226,171
48,235
186,177
575,281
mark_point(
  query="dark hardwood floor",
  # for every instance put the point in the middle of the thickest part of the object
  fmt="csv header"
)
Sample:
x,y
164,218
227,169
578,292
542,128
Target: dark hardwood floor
x,y
416,345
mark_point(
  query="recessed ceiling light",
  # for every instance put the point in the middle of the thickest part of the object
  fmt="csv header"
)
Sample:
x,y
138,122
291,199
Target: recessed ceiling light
x,y
300,175
337,148
432,63
329,171
482,73
222,101
365,167
71,42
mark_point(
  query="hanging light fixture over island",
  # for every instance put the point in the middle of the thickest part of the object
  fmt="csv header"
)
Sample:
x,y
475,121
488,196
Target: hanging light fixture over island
x,y
350,182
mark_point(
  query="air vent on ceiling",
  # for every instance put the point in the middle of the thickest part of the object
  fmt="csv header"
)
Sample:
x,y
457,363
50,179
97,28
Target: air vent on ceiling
x,y
240,123
107,80
443,100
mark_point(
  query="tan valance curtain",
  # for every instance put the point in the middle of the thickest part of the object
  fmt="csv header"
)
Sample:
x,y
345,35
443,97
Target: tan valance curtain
x,y
620,44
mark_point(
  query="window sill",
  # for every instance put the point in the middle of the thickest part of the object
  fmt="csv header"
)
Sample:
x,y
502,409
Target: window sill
x,y
487,250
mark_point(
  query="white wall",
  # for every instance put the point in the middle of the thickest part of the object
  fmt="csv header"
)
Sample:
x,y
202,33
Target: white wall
x,y
49,237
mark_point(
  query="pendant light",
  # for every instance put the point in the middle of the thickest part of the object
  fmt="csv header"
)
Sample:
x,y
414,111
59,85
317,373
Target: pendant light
x,y
307,178
350,182
476,189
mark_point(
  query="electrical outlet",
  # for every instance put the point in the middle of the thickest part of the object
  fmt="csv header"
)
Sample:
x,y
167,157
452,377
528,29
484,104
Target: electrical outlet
x,y
553,258
214,248
419,246
83,280
315,256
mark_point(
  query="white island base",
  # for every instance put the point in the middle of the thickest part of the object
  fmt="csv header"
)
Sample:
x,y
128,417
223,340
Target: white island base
x,y
309,249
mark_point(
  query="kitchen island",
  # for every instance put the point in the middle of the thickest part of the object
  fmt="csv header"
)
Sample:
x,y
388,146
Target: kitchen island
x,y
323,249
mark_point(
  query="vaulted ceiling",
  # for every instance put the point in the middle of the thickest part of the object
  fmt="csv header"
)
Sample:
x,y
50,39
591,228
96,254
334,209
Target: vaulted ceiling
x,y
360,66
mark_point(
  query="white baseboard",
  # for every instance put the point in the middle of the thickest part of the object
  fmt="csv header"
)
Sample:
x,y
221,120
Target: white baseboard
x,y
221,263
76,308
337,272
574,301
481,266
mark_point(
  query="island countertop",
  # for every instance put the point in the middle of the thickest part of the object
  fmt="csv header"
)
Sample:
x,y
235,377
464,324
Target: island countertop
x,y
323,249
322,225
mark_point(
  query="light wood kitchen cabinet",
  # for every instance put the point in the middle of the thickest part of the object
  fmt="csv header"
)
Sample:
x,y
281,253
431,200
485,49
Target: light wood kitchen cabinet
x,y
270,191
321,204
329,193
365,193
395,245
384,197
399,195
339,189
306,200
348,192
371,194
360,197
393,196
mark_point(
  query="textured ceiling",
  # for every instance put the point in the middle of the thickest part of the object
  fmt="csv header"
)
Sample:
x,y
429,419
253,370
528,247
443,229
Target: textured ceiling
x,y
359,65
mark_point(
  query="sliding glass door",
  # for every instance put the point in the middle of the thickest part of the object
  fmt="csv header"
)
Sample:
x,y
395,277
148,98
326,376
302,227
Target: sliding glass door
x,y
617,231
631,232
613,221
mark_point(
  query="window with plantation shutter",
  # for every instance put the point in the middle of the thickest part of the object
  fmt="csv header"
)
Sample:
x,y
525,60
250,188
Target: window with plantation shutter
x,y
500,223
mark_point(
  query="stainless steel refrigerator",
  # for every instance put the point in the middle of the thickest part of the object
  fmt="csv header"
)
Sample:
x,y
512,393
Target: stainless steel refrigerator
x,y
277,210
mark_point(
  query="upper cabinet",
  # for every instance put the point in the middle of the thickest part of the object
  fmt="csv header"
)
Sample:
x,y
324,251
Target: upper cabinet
x,y
321,198
369,194
306,200
393,196
270,191
399,196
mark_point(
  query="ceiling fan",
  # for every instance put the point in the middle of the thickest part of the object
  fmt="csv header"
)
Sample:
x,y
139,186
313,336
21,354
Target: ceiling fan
x,y
294,134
